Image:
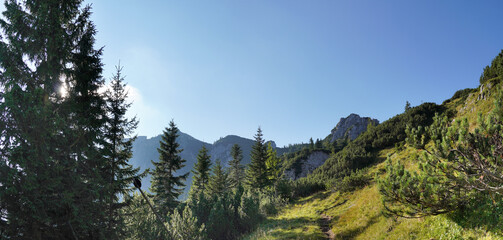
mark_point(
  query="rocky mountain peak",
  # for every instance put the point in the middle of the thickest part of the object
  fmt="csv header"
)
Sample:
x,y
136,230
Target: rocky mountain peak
x,y
351,126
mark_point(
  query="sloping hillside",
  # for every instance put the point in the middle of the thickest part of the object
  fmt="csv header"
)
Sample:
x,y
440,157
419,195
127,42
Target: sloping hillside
x,y
357,212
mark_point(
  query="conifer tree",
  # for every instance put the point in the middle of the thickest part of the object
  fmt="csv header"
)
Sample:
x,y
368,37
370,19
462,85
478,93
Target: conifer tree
x,y
141,222
256,175
407,106
318,144
118,150
85,109
220,221
460,165
201,171
219,183
273,166
236,170
185,226
50,181
493,71
167,185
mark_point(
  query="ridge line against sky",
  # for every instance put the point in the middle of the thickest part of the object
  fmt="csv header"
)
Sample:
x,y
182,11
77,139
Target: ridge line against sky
x,y
292,67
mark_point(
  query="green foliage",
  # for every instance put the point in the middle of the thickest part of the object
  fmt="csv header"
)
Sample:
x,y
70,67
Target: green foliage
x,y
53,182
200,205
362,152
305,187
495,70
319,144
166,186
416,137
256,174
219,181
461,94
141,222
201,171
249,211
270,203
407,106
118,150
236,170
273,165
221,222
353,181
185,226
485,211
232,213
459,165
423,195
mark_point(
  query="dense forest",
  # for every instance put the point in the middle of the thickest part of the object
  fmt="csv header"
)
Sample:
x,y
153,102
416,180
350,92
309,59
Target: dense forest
x,y
65,146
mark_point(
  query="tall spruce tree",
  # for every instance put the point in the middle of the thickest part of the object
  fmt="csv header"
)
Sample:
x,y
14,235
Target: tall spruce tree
x,y
167,185
219,181
50,180
118,150
236,169
201,171
256,174
273,166
86,114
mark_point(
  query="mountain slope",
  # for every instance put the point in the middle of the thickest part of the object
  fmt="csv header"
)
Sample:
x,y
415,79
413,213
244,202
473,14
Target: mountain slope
x,y
358,213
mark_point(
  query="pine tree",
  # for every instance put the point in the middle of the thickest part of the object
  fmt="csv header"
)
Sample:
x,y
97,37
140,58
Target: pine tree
x,y
459,166
118,150
219,182
236,170
318,144
166,185
273,166
494,71
201,171
185,226
256,175
220,224
141,222
407,106
50,181
85,111
311,144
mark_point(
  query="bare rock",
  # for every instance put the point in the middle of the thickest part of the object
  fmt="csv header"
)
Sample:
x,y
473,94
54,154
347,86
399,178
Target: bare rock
x,y
351,126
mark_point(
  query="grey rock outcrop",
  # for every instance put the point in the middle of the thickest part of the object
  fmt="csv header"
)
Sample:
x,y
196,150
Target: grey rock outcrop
x,y
315,159
352,126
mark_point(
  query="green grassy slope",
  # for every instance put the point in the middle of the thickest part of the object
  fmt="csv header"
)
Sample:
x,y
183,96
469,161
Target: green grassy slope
x,y
358,214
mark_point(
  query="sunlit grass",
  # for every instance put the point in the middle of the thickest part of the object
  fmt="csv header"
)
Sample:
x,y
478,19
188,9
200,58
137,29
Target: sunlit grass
x,y
359,214
299,220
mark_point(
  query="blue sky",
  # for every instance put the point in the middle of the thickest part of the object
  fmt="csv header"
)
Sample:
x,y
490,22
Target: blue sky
x,y
292,67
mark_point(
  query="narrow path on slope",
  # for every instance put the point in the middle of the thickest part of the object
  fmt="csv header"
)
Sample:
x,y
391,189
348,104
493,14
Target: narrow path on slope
x,y
325,226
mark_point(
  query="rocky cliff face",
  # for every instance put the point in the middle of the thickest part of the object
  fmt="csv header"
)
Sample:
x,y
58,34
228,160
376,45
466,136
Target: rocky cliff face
x,y
315,159
352,126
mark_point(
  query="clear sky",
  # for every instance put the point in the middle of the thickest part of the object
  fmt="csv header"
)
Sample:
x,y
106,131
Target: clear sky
x,y
292,67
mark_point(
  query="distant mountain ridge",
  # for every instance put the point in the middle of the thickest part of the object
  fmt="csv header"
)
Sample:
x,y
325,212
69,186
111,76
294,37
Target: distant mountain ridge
x,y
145,150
